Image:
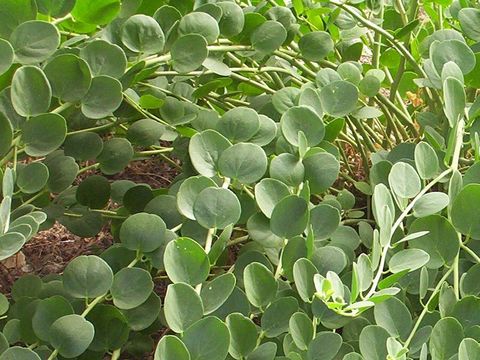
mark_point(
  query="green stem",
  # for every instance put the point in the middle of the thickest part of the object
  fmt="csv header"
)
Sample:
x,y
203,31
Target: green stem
x,y
425,308
470,252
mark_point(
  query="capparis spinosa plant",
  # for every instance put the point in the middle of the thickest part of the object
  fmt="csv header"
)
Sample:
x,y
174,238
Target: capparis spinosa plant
x,y
326,206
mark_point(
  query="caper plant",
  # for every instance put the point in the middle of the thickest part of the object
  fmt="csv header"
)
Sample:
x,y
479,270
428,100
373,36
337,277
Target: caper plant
x,y
326,202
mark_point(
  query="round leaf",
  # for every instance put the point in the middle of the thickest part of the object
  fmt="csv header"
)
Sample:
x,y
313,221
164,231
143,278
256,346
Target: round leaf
x,y
183,307
216,208
142,34
315,45
103,97
69,77
207,339
71,335
186,261
302,118
244,162
87,277
43,134
189,52
34,41
339,98
131,287
143,232
30,92
290,217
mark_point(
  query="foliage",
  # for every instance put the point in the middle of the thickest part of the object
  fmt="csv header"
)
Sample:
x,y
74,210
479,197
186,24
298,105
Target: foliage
x,y
334,146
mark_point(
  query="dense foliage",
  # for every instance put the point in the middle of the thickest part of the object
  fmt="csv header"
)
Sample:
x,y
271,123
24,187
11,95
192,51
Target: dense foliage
x,y
326,206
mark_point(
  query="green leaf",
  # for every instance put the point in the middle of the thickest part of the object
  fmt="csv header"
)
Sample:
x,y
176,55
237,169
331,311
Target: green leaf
x,y
189,52
31,92
69,77
43,134
144,315
171,348
447,334
324,220
6,135
103,97
441,242
34,41
186,261
275,319
205,149
15,12
441,52
290,217
143,232
409,259
111,328
115,156
98,12
145,132
324,346
268,192
404,180
455,100
302,118
83,146
469,284
426,160
316,45
232,20
104,58
430,203
32,178
17,352
87,277
321,171
215,292
339,98
260,285
94,192
199,23
464,214
207,339
268,37
182,306
288,169
243,162
188,192
47,312
63,171
265,351
55,8
216,208
373,342
142,34
243,335
301,329
131,287
469,349
394,317
469,18
71,335
239,124
303,273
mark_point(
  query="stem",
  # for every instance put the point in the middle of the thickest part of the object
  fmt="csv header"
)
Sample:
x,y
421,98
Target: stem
x,y
402,49
61,108
470,252
425,308
453,166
